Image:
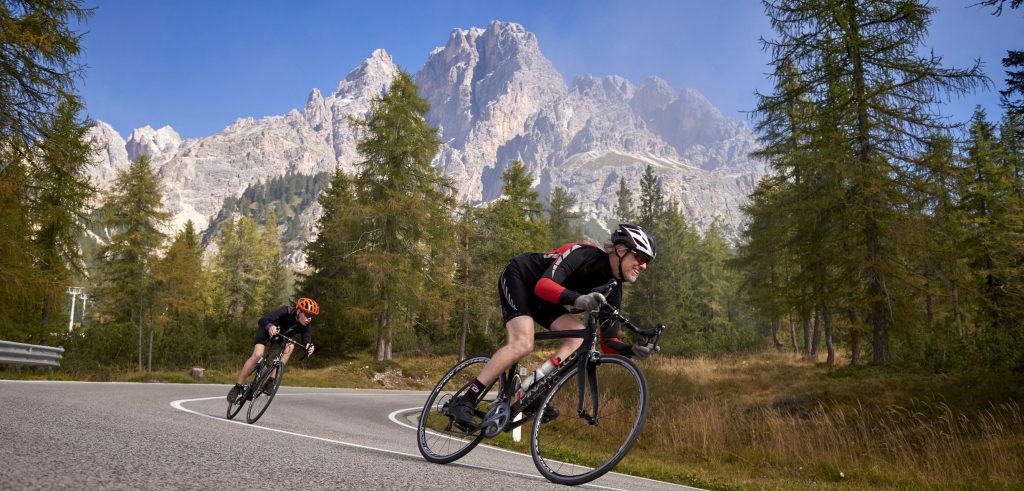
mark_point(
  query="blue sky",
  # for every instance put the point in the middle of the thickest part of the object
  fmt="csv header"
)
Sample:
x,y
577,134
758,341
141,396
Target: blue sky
x,y
199,65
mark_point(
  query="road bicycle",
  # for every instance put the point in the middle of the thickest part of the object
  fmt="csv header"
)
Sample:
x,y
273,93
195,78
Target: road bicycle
x,y
586,414
263,388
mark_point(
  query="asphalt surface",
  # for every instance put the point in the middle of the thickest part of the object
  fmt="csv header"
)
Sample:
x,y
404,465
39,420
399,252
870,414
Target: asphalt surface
x,y
81,435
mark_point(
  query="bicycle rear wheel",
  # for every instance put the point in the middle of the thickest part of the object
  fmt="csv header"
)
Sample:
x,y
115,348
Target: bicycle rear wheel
x,y
260,400
235,407
440,440
572,449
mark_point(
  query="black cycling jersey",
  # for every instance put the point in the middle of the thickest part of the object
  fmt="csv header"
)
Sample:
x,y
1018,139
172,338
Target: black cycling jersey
x,y
286,320
539,284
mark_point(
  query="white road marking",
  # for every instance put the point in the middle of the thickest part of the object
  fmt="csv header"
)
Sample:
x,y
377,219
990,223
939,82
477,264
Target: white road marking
x,y
178,405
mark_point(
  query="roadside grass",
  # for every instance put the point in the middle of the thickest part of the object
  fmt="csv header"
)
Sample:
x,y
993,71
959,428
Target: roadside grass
x,y
761,421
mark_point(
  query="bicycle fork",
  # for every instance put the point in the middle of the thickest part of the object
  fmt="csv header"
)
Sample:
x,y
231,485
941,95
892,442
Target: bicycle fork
x,y
587,376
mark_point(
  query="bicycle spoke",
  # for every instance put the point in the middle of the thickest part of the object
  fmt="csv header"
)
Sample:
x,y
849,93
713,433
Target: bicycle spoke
x,y
573,449
440,439
260,400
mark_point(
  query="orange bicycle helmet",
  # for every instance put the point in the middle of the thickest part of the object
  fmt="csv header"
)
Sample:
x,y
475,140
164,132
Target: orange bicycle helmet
x,y
308,305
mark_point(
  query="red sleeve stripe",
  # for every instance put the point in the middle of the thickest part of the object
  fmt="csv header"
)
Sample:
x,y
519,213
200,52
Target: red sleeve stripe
x,y
607,349
548,290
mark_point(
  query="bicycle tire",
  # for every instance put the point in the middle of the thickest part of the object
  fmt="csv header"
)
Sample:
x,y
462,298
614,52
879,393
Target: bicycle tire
x,y
261,401
235,407
440,441
569,449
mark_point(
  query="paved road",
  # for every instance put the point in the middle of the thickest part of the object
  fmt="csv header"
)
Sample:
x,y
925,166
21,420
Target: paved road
x,y
63,435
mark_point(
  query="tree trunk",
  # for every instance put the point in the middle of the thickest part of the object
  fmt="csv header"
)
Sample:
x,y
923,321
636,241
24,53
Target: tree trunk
x,y
815,337
792,334
873,259
807,336
829,345
957,314
776,325
382,335
854,346
467,269
140,341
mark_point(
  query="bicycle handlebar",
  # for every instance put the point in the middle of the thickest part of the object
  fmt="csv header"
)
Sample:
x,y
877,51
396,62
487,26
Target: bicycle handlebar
x,y
649,335
288,340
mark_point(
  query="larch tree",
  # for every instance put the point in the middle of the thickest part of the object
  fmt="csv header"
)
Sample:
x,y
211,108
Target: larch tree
x,y
134,213
406,206
860,65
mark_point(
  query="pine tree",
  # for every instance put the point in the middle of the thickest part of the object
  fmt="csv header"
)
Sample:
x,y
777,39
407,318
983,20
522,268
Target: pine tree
x,y
994,244
19,278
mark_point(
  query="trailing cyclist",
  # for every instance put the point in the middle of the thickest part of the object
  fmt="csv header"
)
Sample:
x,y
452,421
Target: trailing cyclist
x,y
535,287
285,320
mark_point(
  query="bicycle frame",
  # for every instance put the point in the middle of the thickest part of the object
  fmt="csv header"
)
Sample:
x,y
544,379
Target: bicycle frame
x,y
588,354
266,362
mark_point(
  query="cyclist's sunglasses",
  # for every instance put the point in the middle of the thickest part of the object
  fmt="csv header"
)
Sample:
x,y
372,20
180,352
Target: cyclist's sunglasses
x,y
641,257
307,314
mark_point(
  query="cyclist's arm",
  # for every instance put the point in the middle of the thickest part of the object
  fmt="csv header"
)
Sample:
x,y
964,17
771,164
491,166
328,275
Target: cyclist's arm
x,y
566,260
272,318
610,342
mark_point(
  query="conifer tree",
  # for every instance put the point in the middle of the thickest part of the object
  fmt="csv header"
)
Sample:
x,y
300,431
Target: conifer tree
x,y
59,197
134,213
652,200
860,67
625,210
564,221
334,279
179,302
38,67
406,206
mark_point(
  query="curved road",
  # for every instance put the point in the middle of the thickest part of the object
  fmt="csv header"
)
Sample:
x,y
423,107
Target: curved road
x,y
63,435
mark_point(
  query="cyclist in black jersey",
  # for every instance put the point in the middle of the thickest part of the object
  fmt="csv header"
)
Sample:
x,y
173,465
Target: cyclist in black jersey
x,y
286,320
535,287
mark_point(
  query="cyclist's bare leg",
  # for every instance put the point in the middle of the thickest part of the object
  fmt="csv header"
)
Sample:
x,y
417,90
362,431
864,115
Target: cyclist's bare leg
x,y
563,323
250,364
520,344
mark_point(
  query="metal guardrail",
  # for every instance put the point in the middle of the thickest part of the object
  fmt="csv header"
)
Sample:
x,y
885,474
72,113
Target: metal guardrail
x,y
19,354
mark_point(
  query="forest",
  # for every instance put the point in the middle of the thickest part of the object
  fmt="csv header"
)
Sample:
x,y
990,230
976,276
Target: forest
x,y
884,232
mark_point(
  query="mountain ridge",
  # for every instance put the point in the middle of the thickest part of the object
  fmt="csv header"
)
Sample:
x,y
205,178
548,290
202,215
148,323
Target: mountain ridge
x,y
494,98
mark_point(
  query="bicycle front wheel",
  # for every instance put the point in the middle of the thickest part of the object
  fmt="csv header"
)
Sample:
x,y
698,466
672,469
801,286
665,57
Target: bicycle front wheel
x,y
264,391
440,440
573,449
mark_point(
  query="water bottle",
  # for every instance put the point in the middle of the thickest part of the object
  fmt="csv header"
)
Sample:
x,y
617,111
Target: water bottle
x,y
544,369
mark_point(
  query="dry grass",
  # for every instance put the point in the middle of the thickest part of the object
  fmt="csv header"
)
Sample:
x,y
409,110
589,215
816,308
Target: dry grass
x,y
774,422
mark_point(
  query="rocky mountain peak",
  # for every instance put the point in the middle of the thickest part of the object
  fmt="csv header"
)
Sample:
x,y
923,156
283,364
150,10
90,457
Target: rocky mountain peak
x,y
159,145
494,98
652,97
374,72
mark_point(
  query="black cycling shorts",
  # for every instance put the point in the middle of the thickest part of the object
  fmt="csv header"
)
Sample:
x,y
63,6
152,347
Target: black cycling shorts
x,y
262,336
517,299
